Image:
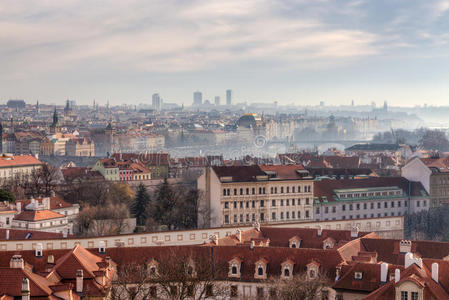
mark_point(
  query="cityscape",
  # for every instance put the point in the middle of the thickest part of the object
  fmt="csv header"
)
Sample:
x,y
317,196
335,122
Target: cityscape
x,y
228,150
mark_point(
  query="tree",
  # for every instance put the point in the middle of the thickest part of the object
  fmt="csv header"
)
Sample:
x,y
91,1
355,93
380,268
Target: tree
x,y
434,140
140,204
7,196
301,287
187,276
121,193
161,208
102,220
132,282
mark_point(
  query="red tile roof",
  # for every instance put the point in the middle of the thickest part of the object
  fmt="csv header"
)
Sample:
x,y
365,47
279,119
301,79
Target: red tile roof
x,y
37,215
18,160
22,234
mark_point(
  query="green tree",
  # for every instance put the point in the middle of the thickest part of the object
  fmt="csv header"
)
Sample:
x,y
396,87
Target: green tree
x,y
140,204
7,196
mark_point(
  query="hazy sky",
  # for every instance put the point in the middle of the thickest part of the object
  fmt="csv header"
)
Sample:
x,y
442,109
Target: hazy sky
x,y
265,50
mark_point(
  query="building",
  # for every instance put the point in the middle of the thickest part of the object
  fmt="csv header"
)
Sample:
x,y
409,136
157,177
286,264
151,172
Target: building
x,y
197,98
80,147
54,203
16,104
229,95
157,163
156,102
37,215
21,166
217,100
244,194
70,274
433,173
373,197
108,168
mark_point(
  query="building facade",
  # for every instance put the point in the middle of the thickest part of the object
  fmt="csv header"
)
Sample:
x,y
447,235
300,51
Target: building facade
x,y
244,194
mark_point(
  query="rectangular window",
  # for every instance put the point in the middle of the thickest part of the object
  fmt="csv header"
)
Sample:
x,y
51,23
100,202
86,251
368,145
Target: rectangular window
x,y
378,205
365,206
307,214
334,209
273,202
241,204
317,210
293,214
418,204
282,202
399,203
414,295
287,202
262,203
241,191
343,207
287,215
307,201
226,219
253,191
226,204
262,216
241,218
282,189
404,295
247,204
235,204
326,210
358,206
372,205
293,202
293,189
271,190
235,218
392,204
247,218
350,206
299,214
273,216
288,189
253,204
385,204
247,191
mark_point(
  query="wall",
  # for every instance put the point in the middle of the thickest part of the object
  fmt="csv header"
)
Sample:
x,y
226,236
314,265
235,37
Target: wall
x,y
389,227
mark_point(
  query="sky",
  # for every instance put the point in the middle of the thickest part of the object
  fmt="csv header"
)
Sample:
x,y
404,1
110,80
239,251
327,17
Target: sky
x,y
290,51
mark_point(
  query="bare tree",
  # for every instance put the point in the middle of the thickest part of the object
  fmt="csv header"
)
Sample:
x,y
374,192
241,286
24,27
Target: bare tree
x,y
132,282
186,276
300,287
102,220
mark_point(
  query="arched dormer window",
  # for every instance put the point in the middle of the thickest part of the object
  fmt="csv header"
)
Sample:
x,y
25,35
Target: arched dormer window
x,y
328,243
152,267
295,242
313,269
287,269
235,265
261,269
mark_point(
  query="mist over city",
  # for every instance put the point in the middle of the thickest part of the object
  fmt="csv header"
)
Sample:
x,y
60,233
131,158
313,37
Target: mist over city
x,y
251,149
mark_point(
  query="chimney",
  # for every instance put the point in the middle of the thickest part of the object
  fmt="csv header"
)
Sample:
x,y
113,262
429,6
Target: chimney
x,y
252,245
410,259
19,207
320,231
383,272
405,246
16,262
65,233
7,234
25,289
355,232
51,259
79,281
239,235
397,275
435,272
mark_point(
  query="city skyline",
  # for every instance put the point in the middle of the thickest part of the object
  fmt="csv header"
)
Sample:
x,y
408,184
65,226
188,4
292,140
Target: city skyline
x,y
286,51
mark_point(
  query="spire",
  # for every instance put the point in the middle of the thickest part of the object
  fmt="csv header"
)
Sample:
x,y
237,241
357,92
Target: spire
x,y
55,118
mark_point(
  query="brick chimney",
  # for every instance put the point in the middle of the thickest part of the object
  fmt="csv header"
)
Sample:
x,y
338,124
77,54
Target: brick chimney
x,y
16,262
383,272
435,272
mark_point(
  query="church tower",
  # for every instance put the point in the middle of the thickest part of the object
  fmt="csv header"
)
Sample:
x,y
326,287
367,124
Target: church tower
x,y
54,128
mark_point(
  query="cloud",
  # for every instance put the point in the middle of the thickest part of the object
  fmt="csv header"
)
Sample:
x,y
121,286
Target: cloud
x,y
168,36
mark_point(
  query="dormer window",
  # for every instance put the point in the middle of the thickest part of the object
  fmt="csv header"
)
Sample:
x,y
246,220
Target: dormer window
x,y
234,267
328,243
152,267
358,275
313,269
287,269
294,242
261,269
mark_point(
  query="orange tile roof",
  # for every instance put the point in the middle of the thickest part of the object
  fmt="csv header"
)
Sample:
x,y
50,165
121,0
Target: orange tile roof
x,y
18,160
37,215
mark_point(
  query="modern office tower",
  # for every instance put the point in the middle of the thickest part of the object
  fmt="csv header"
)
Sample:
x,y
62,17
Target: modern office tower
x,y
229,97
197,98
157,103
217,100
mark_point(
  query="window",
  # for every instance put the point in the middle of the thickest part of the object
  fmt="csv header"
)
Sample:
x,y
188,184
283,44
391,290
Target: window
x,y
392,203
299,189
253,204
282,189
262,203
224,192
253,217
260,292
293,189
317,210
414,295
275,190
358,275
262,216
307,214
334,209
235,204
287,202
326,210
241,218
233,291
287,215
424,203
282,202
241,191
247,191
350,207
235,218
235,192
343,208
273,216
247,218
273,202
418,204
385,204
404,295
358,206
241,204
378,205
365,206
247,204
299,214
260,271
293,202
282,215
372,205
307,201
293,214
288,189
253,191
226,219
286,272
271,190
226,204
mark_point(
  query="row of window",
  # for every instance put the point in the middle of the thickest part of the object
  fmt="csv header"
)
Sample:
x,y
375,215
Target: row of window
x,y
246,218
370,194
252,204
372,205
262,190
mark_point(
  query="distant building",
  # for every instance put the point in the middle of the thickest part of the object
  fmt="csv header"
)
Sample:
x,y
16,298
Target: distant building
x,y
197,98
157,102
18,166
217,100
229,94
80,147
16,104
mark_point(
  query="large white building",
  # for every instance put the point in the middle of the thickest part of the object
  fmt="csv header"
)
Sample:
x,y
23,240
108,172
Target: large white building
x,y
236,195
12,166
